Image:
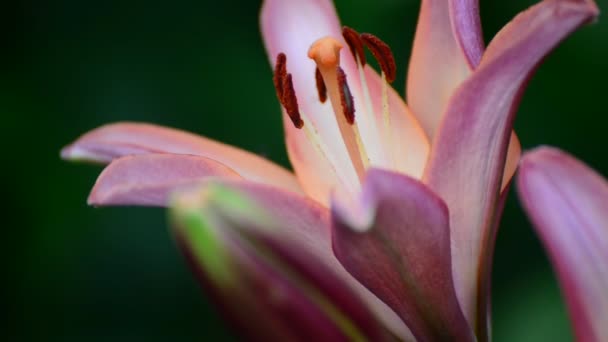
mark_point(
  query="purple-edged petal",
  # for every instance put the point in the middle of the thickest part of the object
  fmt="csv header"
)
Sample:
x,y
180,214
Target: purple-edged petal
x,y
568,204
106,143
469,151
270,285
396,242
149,179
446,49
466,27
485,269
306,223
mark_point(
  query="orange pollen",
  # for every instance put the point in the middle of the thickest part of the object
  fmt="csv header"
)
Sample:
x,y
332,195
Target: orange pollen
x,y
346,98
321,88
325,52
355,44
383,54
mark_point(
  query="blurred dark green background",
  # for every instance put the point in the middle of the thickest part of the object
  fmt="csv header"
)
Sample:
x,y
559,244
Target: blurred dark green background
x,y
75,273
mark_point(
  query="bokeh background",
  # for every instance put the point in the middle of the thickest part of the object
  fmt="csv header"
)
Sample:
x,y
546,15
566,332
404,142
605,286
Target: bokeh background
x,y
74,273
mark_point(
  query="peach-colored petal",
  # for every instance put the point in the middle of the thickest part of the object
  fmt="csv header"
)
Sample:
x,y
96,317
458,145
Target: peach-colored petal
x,y
437,65
408,144
513,155
112,141
290,27
447,47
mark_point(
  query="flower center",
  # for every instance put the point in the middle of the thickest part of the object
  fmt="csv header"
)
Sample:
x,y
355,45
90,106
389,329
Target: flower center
x,y
372,119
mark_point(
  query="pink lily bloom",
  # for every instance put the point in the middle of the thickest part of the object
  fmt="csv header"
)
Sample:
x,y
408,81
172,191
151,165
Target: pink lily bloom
x,y
568,204
400,205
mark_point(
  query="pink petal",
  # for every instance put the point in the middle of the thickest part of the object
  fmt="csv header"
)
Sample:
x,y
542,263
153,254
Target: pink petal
x,y
112,141
149,179
272,286
568,204
485,269
396,242
441,57
305,223
468,155
291,27
466,26
447,48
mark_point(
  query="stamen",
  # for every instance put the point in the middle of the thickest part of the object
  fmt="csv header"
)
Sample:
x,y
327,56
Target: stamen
x,y
280,71
346,98
326,53
354,43
290,102
283,84
383,54
321,88
366,114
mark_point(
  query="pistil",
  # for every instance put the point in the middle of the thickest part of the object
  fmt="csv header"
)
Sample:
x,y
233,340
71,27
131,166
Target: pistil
x,y
326,53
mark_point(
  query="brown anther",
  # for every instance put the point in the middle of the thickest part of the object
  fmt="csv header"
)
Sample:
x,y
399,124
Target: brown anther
x,y
290,102
354,43
321,88
383,54
346,98
280,72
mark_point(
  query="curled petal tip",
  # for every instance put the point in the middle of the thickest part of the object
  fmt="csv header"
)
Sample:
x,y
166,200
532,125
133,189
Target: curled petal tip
x,y
358,213
76,153
66,153
93,200
589,6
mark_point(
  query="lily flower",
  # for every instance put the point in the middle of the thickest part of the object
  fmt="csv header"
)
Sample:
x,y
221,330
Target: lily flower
x,y
568,204
401,204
